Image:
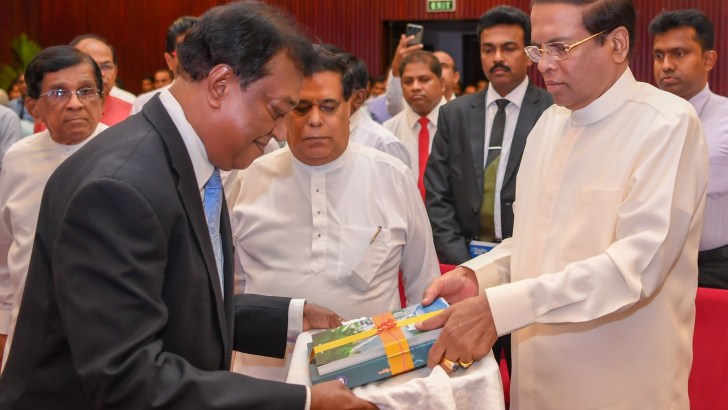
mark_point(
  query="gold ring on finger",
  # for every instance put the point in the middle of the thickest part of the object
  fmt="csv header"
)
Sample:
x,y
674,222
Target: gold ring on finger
x,y
465,365
449,364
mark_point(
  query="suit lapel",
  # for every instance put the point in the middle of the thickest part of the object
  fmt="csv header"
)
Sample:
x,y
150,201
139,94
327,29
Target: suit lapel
x,y
228,253
476,122
526,121
191,200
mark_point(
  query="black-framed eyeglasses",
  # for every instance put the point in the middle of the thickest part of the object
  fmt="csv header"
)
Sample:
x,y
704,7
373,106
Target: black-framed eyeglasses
x,y
61,96
557,51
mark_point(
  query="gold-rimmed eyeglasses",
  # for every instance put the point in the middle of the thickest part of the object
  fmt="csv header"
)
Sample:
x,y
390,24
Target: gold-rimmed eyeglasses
x,y
557,50
61,96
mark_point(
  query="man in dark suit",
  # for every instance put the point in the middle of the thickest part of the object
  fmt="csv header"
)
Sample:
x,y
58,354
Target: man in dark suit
x,y
124,305
454,179
470,193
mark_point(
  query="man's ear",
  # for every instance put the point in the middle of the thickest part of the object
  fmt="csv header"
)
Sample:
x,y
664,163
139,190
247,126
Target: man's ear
x,y
620,44
220,78
31,105
358,97
710,57
169,58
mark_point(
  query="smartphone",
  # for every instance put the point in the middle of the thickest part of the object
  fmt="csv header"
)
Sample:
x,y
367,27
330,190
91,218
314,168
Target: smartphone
x,y
414,30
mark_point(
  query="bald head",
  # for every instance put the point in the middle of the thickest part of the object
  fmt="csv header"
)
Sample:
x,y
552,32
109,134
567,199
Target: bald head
x,y
103,54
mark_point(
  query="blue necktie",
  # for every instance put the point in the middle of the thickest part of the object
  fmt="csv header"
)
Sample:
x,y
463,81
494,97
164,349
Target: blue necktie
x,y
213,207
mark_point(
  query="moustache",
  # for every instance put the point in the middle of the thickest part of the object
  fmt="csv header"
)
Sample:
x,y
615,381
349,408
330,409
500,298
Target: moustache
x,y
499,65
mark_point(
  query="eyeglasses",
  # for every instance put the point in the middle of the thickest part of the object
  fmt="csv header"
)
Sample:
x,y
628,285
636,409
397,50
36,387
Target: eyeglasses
x,y
107,66
557,51
326,106
62,96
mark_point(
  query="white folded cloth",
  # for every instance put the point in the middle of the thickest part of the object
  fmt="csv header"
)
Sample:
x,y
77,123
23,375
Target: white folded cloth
x,y
478,387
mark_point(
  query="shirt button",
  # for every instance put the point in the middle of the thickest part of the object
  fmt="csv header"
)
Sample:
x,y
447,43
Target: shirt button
x,y
317,189
319,235
318,212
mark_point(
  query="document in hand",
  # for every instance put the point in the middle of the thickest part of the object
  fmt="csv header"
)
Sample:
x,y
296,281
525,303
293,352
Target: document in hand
x,y
374,348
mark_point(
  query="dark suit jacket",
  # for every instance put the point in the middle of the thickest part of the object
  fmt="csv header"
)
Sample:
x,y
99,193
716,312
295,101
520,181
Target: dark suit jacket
x,y
454,174
122,305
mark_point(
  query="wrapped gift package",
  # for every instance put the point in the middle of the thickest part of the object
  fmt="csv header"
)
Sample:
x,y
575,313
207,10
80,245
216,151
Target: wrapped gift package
x,y
370,349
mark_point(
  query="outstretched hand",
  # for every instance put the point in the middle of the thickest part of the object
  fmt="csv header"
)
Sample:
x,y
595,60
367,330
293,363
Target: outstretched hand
x,y
468,332
454,286
319,317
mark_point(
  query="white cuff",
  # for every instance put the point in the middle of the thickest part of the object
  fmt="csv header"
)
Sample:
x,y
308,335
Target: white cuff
x,y
295,319
511,306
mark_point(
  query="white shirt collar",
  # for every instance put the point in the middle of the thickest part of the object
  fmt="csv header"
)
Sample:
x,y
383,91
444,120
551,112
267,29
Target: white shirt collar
x,y
325,168
622,90
412,116
356,118
700,99
514,97
195,148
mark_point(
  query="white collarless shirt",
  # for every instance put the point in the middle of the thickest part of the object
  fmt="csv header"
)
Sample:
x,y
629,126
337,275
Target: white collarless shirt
x,y
301,231
26,168
602,263
363,130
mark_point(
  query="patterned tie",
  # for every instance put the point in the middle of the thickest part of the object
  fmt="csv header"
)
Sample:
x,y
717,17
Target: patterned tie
x,y
423,150
487,209
213,207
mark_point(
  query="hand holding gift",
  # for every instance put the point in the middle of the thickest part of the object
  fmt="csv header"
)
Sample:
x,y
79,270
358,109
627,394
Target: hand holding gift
x,y
468,332
319,317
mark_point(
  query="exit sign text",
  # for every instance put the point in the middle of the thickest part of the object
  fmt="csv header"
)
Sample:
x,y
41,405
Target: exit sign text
x,y
437,6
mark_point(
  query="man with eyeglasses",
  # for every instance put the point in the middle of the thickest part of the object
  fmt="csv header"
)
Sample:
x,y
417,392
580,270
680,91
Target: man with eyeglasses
x,y
64,91
683,57
344,218
597,285
118,102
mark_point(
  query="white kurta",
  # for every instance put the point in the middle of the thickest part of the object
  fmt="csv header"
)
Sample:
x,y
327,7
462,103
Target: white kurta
x,y
369,133
26,168
602,262
302,231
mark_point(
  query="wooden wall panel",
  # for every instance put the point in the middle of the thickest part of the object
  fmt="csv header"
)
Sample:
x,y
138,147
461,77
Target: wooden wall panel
x,y
137,27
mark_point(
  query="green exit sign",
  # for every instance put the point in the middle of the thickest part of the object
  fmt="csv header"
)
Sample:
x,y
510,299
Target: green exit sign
x,y
438,6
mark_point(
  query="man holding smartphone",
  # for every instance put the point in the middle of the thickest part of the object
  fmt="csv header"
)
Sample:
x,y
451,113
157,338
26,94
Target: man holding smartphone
x,y
392,103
